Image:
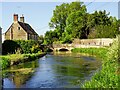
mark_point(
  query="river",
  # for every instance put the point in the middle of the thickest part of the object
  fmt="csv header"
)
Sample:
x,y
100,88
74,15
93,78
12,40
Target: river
x,y
54,70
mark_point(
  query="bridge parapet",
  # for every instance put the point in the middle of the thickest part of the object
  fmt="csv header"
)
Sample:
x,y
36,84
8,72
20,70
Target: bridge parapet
x,y
62,45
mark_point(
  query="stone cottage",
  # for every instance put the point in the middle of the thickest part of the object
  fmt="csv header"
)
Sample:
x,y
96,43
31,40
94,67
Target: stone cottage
x,y
19,30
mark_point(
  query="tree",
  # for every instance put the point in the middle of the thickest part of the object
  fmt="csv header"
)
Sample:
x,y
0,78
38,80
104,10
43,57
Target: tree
x,y
41,39
104,31
60,15
101,18
76,25
71,20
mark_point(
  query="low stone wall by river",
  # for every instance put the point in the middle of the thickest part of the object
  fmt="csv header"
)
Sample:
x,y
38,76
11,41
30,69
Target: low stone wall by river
x,y
93,42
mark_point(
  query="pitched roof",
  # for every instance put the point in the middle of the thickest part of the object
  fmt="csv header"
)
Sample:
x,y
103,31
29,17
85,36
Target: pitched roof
x,y
27,28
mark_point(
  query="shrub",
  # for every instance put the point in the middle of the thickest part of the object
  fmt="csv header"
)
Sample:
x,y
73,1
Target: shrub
x,y
26,45
4,62
9,46
20,46
35,48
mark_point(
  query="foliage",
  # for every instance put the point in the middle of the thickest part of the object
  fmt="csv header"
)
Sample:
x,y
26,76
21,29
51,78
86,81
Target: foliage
x,y
109,70
4,62
41,39
108,77
9,46
50,36
59,20
20,46
8,60
26,45
35,48
104,31
71,20
75,25
99,52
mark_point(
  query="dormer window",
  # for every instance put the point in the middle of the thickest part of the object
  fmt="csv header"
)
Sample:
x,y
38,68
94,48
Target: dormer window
x,y
18,28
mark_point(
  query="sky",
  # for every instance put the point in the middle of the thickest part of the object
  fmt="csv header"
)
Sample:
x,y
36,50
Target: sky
x,y
38,14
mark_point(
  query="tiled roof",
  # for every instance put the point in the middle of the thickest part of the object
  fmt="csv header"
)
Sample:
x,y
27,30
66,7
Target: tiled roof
x,y
27,28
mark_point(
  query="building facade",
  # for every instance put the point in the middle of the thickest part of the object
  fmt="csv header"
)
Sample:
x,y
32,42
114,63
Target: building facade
x,y
19,30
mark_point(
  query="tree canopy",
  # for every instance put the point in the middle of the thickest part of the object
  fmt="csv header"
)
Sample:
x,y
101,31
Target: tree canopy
x,y
71,20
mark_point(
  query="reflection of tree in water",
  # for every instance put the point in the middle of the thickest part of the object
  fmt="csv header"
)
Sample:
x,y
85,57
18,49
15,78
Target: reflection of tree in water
x,y
21,73
74,70
20,77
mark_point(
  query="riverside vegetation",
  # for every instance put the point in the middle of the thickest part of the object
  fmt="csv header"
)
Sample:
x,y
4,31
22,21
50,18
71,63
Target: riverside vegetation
x,y
19,51
109,75
13,59
70,21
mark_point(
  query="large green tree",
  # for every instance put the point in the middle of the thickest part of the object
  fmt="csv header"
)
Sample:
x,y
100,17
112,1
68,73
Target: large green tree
x,y
71,20
76,25
61,13
102,25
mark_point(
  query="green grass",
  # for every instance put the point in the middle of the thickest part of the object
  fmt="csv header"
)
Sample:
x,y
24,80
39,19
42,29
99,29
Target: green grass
x,y
100,52
109,75
13,59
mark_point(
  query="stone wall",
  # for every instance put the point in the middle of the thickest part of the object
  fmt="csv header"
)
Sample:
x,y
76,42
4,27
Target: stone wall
x,y
93,42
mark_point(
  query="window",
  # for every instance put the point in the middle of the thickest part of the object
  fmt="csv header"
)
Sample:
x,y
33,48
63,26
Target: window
x,y
18,28
29,36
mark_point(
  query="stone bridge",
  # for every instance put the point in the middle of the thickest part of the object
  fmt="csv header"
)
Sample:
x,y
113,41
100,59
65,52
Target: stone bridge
x,y
83,43
59,47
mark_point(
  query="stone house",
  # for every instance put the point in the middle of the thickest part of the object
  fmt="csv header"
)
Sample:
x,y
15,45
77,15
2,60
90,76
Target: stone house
x,y
19,30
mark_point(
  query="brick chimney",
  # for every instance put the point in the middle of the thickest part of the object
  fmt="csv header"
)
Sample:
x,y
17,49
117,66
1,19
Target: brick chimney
x,y
15,17
22,18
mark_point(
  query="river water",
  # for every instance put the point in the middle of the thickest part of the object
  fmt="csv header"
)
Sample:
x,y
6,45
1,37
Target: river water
x,y
54,70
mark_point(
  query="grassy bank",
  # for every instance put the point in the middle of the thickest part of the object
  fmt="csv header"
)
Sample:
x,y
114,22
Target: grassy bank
x,y
108,77
14,59
99,52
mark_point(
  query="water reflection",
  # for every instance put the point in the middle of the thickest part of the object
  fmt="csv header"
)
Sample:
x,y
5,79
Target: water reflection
x,y
17,75
55,70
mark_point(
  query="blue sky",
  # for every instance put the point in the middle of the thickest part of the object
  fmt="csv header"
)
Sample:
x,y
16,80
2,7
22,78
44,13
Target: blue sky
x,y
38,14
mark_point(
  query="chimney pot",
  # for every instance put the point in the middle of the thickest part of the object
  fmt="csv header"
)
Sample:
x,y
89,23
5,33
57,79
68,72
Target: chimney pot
x,y
15,17
22,18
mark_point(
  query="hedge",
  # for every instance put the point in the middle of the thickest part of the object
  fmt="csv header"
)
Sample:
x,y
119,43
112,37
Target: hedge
x,y
21,46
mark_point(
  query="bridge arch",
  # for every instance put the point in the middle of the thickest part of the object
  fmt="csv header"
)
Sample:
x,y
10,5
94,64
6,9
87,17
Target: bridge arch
x,y
63,49
49,50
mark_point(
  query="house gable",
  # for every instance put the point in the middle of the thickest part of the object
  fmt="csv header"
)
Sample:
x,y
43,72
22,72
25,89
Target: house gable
x,y
16,32
20,30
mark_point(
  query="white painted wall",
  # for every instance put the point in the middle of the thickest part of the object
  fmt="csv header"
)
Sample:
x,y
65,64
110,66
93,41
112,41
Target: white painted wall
x,y
3,37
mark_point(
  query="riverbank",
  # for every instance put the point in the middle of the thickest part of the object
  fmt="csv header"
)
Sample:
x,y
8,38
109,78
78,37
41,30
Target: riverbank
x,y
99,52
14,59
108,77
